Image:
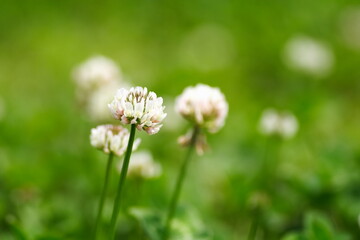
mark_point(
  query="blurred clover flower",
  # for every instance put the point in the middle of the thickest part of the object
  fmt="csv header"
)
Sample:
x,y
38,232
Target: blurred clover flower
x,y
308,55
282,124
111,139
97,80
204,106
140,107
95,72
142,165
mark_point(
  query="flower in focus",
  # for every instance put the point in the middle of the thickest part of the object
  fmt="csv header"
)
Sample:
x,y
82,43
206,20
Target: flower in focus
x,y
282,124
95,72
142,165
140,107
111,139
203,105
308,55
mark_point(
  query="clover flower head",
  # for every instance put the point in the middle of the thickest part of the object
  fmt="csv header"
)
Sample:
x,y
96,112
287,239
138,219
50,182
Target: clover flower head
x,y
95,72
111,139
142,165
282,124
140,107
203,105
309,56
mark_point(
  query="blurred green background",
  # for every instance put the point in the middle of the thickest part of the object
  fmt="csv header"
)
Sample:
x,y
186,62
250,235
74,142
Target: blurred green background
x,y
51,178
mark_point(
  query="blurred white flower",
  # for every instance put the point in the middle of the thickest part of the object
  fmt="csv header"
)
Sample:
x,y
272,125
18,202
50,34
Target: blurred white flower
x,y
95,72
308,55
350,26
275,123
203,105
140,107
142,165
208,47
111,139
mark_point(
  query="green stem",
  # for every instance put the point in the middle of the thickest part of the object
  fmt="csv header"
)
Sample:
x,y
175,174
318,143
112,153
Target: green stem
x,y
123,173
254,225
179,183
103,194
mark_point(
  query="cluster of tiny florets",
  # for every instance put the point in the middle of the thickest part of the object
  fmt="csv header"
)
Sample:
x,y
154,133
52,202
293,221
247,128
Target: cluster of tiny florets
x,y
140,107
203,105
111,139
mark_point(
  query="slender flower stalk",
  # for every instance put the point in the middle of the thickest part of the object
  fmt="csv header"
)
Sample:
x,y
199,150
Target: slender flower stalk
x,y
254,225
206,108
103,194
179,183
112,140
124,170
143,110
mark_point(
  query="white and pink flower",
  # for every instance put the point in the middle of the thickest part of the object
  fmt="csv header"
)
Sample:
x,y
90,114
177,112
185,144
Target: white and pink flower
x,y
140,107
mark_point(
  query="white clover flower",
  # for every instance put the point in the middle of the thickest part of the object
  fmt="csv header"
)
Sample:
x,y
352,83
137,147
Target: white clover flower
x,y
95,72
308,55
111,139
282,124
203,105
140,107
142,165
